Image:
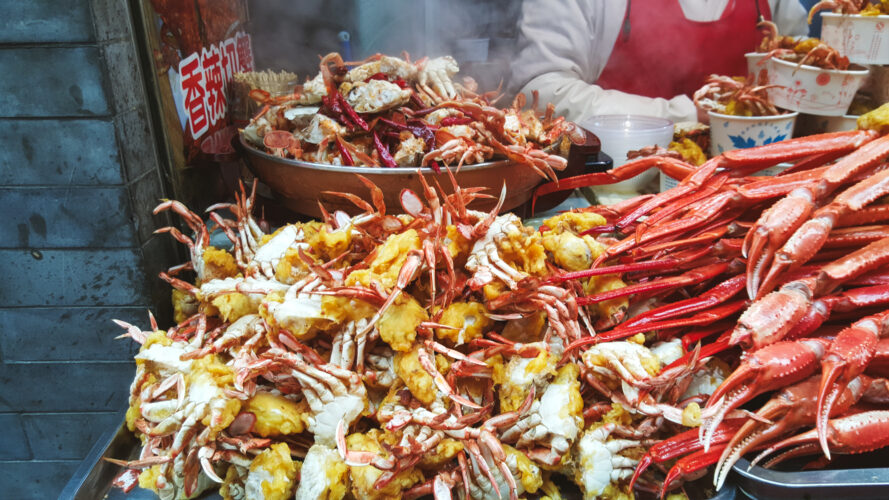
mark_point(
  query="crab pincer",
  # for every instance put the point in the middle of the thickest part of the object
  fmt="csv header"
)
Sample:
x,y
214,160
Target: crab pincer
x,y
794,407
846,359
857,433
767,369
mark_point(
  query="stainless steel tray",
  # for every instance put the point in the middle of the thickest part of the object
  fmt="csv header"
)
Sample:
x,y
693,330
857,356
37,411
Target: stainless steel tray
x,y
858,484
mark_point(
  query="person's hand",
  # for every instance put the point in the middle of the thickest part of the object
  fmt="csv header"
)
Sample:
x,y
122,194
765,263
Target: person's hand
x,y
436,75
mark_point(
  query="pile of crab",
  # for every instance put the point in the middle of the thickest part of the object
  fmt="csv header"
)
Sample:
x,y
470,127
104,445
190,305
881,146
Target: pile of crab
x,y
390,112
445,350
859,7
803,51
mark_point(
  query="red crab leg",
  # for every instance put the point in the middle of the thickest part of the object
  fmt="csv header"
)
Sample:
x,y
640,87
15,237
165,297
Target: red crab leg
x,y
858,433
683,443
718,294
805,242
767,369
847,358
692,277
702,318
792,408
692,463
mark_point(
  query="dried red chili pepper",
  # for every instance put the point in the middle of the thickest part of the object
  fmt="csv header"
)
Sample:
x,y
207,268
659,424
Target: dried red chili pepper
x,y
383,151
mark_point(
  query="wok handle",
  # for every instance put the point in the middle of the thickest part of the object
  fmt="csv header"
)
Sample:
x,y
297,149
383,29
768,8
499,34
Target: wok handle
x,y
584,157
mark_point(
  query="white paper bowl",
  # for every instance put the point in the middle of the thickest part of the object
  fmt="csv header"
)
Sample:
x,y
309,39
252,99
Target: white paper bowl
x,y
807,89
729,132
623,133
863,39
753,66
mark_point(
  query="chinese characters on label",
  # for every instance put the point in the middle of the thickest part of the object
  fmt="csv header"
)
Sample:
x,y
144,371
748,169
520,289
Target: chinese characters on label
x,y
204,77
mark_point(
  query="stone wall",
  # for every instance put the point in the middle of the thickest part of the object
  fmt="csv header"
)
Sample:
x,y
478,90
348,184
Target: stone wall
x,y
79,175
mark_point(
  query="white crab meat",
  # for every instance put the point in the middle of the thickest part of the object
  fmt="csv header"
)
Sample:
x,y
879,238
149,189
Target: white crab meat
x,y
346,407
705,381
598,463
554,414
321,127
297,314
313,90
269,254
300,116
461,131
166,359
390,66
410,152
435,117
321,470
668,351
253,485
377,95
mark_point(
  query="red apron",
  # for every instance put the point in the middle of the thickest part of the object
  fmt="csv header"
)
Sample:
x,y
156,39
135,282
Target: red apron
x,y
660,53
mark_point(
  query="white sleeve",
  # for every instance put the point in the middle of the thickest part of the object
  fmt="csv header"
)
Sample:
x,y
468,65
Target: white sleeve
x,y
790,16
564,46
577,100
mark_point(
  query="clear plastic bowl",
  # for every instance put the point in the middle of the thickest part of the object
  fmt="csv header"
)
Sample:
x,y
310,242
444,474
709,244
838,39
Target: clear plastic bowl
x,y
623,133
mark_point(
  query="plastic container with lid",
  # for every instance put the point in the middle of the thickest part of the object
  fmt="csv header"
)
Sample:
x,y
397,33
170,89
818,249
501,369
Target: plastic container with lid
x,y
621,134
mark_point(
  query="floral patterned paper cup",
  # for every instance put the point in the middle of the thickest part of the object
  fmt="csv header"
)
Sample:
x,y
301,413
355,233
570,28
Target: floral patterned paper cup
x,y
807,89
729,132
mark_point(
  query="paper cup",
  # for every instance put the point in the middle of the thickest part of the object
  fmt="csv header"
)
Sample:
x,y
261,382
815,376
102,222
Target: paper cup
x,y
729,132
807,89
863,39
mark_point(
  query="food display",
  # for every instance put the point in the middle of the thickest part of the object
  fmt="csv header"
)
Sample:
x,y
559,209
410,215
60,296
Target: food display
x,y
447,351
387,111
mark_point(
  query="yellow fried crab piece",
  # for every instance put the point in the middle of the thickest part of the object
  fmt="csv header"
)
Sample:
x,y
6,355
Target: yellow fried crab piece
x,y
234,306
398,325
219,264
364,476
690,150
877,120
271,474
529,473
415,377
205,384
575,222
391,255
277,415
468,320
444,452
519,374
323,476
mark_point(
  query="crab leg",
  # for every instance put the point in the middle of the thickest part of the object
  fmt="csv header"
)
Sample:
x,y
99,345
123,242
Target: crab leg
x,y
692,277
683,443
767,369
846,359
858,433
791,409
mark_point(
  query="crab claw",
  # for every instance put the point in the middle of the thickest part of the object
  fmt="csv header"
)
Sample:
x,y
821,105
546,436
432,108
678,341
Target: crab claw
x,y
690,464
771,230
847,358
767,369
858,433
791,409
770,318
683,443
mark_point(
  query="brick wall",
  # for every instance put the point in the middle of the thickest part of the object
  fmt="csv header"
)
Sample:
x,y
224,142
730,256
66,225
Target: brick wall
x,y
79,175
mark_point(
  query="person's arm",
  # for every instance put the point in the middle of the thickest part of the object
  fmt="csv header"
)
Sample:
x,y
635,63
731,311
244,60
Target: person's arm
x,y
578,100
564,46
790,16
